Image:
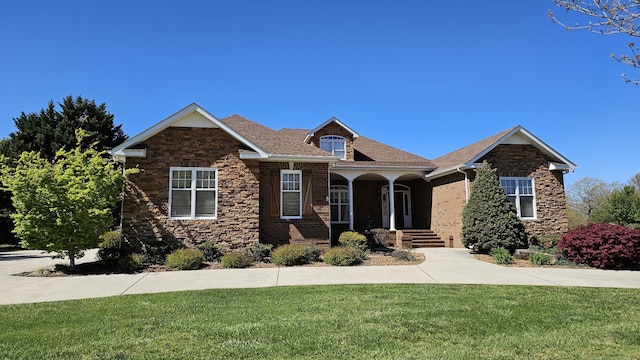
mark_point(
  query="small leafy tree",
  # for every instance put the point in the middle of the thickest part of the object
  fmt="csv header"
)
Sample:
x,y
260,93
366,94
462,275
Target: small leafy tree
x,y
623,206
63,205
489,220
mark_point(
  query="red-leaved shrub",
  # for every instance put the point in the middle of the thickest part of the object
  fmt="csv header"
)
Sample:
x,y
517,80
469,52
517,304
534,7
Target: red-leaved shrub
x,y
604,246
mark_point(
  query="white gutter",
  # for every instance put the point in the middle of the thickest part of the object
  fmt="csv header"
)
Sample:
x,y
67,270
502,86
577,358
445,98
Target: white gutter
x,y
466,184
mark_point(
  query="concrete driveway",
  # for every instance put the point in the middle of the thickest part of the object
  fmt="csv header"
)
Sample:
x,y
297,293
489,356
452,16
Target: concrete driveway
x,y
442,266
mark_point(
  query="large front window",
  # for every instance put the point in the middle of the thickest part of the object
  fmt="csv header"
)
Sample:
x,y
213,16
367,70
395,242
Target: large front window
x,y
291,194
521,194
339,201
334,144
193,193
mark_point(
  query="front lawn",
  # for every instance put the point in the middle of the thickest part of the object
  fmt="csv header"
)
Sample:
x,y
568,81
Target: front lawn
x,y
332,322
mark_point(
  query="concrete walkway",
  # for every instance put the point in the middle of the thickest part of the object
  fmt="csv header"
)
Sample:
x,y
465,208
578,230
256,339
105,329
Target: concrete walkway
x,y
442,266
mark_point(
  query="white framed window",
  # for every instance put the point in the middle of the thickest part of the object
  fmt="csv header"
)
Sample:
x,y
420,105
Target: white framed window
x,y
291,194
520,192
339,202
335,145
193,193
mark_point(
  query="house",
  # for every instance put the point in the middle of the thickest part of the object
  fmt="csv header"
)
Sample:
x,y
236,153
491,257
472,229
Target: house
x,y
236,182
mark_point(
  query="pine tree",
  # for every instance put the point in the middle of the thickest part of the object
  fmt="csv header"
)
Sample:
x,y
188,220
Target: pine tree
x,y
50,130
489,220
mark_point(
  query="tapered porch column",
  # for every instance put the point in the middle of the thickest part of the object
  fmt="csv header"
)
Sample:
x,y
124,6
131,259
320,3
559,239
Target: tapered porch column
x,y
392,206
350,192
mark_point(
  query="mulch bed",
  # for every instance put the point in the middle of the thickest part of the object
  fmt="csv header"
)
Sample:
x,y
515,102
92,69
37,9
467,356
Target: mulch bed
x,y
377,257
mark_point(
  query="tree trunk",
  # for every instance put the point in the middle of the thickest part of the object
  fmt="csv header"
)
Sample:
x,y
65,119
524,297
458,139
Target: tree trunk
x,y
72,262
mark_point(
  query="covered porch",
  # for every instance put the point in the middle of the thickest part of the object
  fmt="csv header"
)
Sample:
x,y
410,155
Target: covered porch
x,y
361,200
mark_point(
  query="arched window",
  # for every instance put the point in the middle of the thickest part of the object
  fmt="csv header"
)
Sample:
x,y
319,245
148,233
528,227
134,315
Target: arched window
x,y
339,201
335,145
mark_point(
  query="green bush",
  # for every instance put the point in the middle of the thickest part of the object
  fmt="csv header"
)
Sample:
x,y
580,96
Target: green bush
x,y
342,256
236,260
110,250
501,256
312,253
211,251
185,259
489,220
132,262
259,252
403,254
157,250
289,255
540,259
355,240
545,241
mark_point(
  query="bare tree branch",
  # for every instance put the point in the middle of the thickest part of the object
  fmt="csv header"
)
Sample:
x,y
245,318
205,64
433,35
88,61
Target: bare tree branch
x,y
608,17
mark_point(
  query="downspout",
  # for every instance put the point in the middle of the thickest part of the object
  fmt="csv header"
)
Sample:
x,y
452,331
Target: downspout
x,y
466,184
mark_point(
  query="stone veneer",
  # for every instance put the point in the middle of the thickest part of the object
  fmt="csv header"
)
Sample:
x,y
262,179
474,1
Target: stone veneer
x,y
145,209
313,228
528,161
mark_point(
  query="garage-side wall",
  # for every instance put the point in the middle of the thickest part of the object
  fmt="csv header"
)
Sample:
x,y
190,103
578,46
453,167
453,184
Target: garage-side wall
x,y
448,200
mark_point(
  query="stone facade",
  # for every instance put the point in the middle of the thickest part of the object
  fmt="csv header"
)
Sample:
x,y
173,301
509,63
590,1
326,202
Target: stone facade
x,y
527,161
334,129
313,228
448,198
146,203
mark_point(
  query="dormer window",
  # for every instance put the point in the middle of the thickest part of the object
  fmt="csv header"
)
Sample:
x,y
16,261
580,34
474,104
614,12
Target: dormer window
x,y
335,145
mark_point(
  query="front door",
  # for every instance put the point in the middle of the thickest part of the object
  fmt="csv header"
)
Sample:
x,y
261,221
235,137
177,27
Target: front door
x,y
402,199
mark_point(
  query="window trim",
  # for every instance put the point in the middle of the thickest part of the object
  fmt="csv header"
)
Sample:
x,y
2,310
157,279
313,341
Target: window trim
x,y
333,140
194,191
282,191
339,189
518,196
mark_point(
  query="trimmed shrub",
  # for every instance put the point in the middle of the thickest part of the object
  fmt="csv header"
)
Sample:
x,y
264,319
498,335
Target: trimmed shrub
x,y
540,259
157,250
312,253
259,252
489,220
185,259
545,241
236,260
342,256
110,250
132,262
501,256
211,251
604,246
355,240
289,255
403,254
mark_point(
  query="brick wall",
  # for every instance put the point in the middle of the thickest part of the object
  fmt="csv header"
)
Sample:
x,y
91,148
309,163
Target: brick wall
x,y
528,161
313,228
448,198
147,195
335,129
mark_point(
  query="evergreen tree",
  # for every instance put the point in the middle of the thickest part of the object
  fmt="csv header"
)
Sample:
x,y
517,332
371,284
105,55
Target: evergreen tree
x,y
50,130
623,207
489,220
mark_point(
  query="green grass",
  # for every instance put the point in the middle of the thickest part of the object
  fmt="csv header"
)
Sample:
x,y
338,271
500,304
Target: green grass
x,y
332,322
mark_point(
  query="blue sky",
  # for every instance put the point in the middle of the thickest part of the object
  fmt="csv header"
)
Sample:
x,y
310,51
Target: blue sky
x,y
427,77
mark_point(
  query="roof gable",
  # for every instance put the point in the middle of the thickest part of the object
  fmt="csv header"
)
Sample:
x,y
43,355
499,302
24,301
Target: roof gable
x,y
311,133
190,116
467,156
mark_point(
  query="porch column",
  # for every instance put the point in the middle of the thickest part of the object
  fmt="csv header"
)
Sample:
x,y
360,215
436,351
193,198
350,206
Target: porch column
x,y
350,192
392,206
